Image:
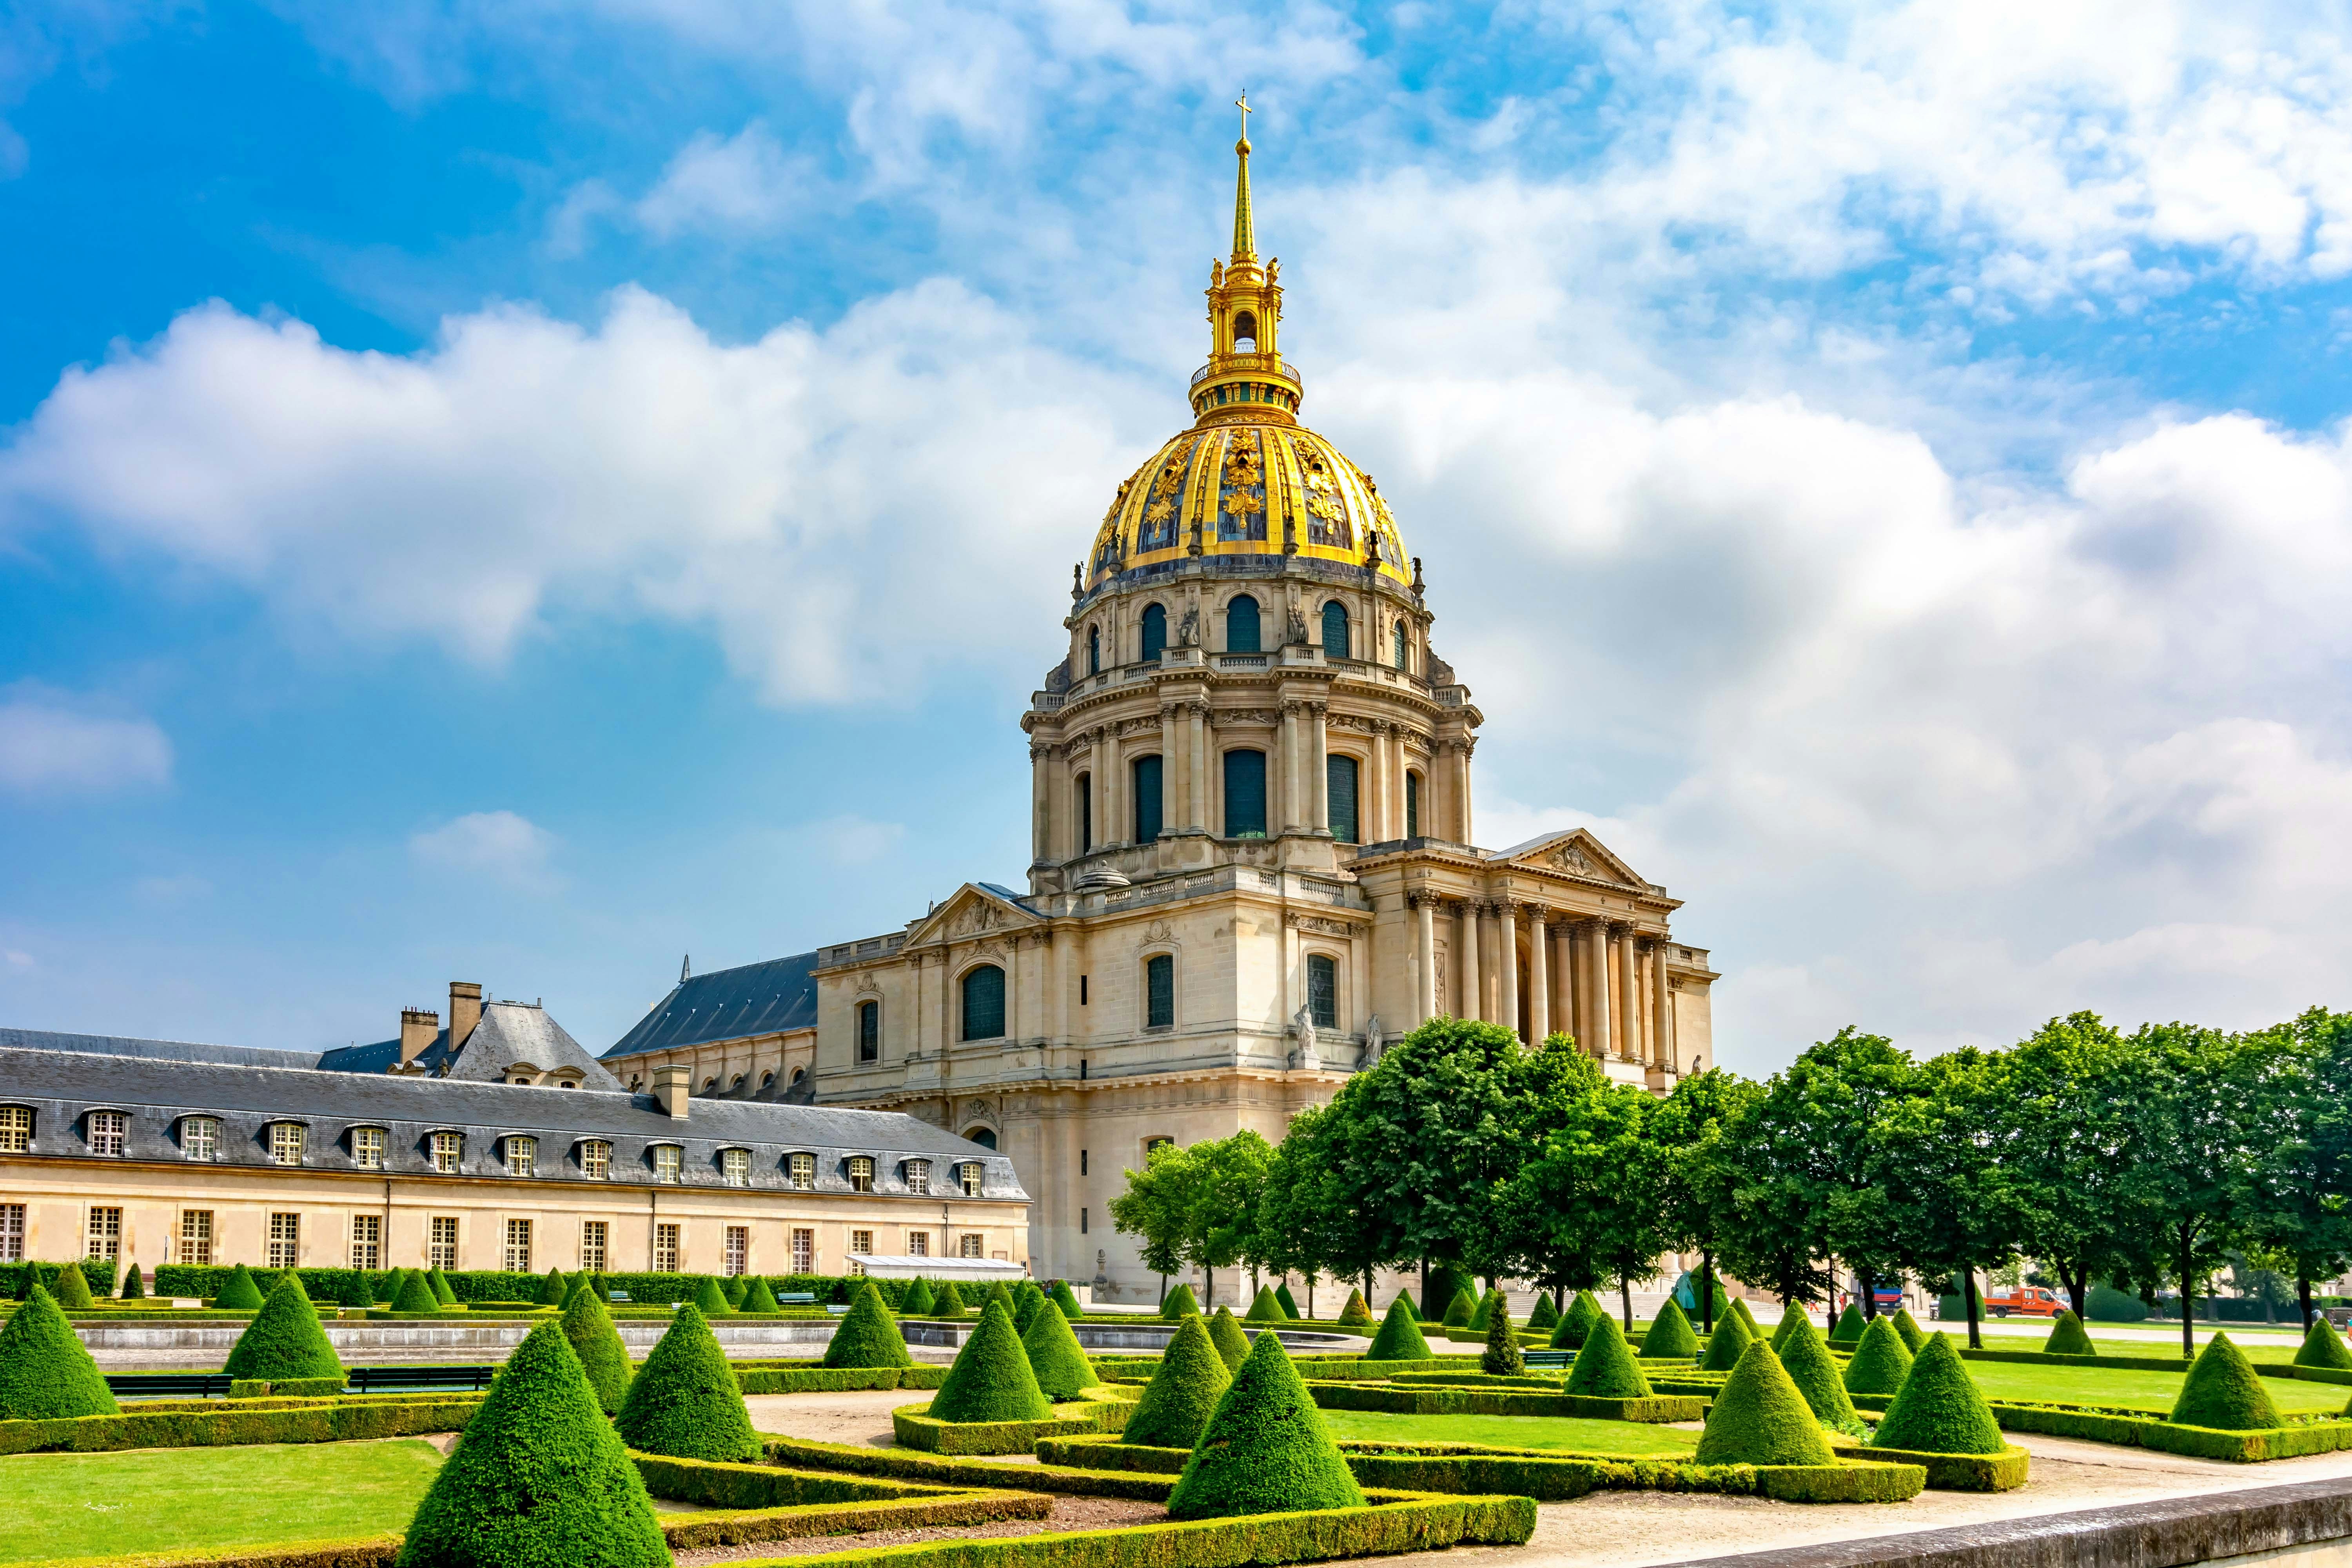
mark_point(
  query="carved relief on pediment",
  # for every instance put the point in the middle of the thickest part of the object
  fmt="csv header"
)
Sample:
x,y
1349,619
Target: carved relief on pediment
x,y
1569,858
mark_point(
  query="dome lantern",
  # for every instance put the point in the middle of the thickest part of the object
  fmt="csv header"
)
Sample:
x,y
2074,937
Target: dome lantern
x,y
1246,378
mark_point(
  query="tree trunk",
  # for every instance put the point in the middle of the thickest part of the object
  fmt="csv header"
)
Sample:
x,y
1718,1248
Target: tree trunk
x,y
1869,1280
2188,1306
1164,1290
2078,1282
1209,1284
1310,1295
1424,1293
1625,1289
1705,1291
2303,1296
1969,1290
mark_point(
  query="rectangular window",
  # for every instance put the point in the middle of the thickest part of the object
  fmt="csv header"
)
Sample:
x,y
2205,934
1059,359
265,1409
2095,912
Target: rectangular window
x,y
736,1258
1244,795
1340,784
196,1235
918,1244
12,1233
15,1130
666,1248
861,1244
593,1237
447,1147
1082,1161
804,1252
919,1178
367,1241
735,1167
669,1164
105,1242
441,1249
1147,800
1413,805
869,1031
106,1128
200,1138
517,1259
1159,992
1086,796
1323,991
1082,1222
972,1243
522,1156
803,1169
286,1140
367,1147
285,1241
597,1159
861,1174
984,1004
970,1171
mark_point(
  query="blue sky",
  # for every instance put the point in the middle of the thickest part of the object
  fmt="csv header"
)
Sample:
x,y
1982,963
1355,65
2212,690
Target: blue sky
x,y
519,492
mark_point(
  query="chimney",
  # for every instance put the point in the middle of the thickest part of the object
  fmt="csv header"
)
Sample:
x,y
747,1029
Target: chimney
x,y
417,1027
671,1082
464,1011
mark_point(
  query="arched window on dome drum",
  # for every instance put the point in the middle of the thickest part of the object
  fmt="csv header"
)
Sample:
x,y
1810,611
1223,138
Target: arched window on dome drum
x,y
1323,991
1413,805
869,1032
1339,776
1245,333
1147,800
1334,630
1404,658
1244,795
1159,992
1094,650
1155,633
984,1004
1084,793
1241,625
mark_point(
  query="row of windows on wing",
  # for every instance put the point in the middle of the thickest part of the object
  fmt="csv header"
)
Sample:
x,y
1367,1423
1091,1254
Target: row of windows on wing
x,y
981,991
1243,776
107,1133
1244,633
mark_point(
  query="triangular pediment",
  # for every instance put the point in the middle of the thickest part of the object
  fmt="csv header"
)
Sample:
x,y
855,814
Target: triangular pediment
x,y
974,910
1573,852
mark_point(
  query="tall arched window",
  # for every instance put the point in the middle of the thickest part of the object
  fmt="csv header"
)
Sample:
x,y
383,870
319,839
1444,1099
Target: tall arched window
x,y
984,1004
869,1031
1340,777
1147,799
1404,659
1323,991
1094,650
1159,992
1241,625
1084,791
1155,633
1244,795
1413,805
1334,630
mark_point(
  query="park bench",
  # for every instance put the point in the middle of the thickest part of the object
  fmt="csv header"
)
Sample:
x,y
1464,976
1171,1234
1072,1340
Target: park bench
x,y
378,1379
1549,1358
168,1384
796,1299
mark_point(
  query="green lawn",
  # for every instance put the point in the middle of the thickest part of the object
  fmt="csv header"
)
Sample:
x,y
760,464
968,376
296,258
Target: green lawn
x,y
174,1500
2137,1390
1631,1438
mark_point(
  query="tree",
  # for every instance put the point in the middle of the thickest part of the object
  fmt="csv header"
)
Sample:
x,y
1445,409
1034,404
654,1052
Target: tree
x,y
2195,1106
1199,1204
1939,1157
1689,1126
2303,1199
1155,1209
2064,1128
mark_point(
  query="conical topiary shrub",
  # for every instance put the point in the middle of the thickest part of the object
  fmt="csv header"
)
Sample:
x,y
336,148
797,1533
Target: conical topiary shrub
x,y
2223,1391
1027,1303
45,1374
1575,1325
1849,1327
1914,1338
948,1302
1460,1310
1760,1418
1605,1367
1265,1449
1355,1313
588,1328
1880,1362
684,1401
1002,1294
1730,1340
992,1379
1264,1309
541,1477
1747,1315
1445,1282
1062,1368
1791,1314
1286,1301
1816,1374
868,1335
1670,1334
238,1293
553,1288
733,1288
73,1290
284,1339
759,1298
710,1299
1410,1306
2067,1337
2322,1346
1227,1336
1485,1307
441,1292
1067,1300
1938,1409
1503,1357
415,1294
135,1289
1182,1395
1178,1303
1400,1337
1543,1315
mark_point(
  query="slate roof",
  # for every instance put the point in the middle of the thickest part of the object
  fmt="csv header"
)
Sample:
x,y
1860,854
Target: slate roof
x,y
728,1004
162,1050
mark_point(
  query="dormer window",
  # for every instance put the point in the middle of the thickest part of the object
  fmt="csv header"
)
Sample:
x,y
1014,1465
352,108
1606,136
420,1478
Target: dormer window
x,y
286,1142
105,1129
597,1159
669,1164
522,1156
969,1174
803,1169
445,1149
918,1177
15,1130
199,1138
861,1174
367,1147
735,1167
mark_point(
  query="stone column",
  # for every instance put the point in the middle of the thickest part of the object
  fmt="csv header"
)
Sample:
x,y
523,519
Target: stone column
x,y
1664,1007
1462,791
1465,983
1319,762
1288,819
1107,825
1040,788
1171,780
1538,974
1200,760
1602,1015
1627,986
1425,949
1373,789
1506,973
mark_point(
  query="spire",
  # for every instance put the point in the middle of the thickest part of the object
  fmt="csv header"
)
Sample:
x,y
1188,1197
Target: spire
x,y
686,968
1244,220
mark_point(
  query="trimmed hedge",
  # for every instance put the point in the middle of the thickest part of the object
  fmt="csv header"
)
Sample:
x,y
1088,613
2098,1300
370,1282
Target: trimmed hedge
x,y
815,1377
1400,1337
210,1425
1914,1338
1182,1394
1227,1336
1028,1300
1265,1449
684,1402
1461,1309
239,1292
1543,1314
2221,1391
2000,1472
955,1471
1816,1374
1880,1362
1264,1309
604,1359
710,1299
1177,1302
1605,1367
1356,1313
1503,1358
1762,1418
286,1387
284,1341
1939,1409
1652,1409
2324,1348
992,1380
1062,1368
46,1374
1670,1336
1576,1323
1062,1296
1732,1335
1410,1305
2146,1431
414,1294
868,1335
2068,1337
916,1427
1286,1301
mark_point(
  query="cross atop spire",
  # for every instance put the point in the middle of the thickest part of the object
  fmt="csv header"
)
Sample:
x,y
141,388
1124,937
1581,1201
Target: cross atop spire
x,y
1244,220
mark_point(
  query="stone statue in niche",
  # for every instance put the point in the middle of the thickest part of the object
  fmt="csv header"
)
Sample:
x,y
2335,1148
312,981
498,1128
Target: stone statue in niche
x,y
1374,1040
1187,633
1305,1056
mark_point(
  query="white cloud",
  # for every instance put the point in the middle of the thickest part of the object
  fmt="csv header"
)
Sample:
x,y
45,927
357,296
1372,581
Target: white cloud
x,y
497,846
743,183
56,746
